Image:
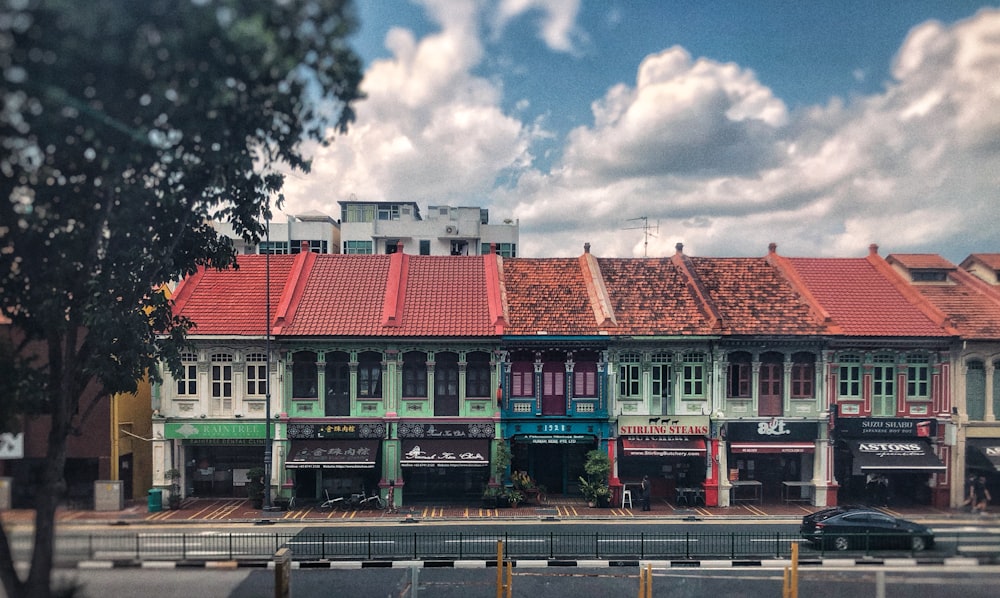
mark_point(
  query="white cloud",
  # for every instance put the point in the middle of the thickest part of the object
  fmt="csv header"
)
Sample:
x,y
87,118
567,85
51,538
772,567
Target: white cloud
x,y
428,131
557,23
707,152
703,149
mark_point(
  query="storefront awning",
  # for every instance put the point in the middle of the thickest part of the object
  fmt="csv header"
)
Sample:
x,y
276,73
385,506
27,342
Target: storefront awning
x,y
894,455
421,452
332,454
663,448
772,447
988,448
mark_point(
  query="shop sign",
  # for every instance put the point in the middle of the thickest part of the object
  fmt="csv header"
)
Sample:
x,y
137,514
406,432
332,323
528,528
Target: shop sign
x,y
884,426
553,438
430,430
773,430
213,430
370,430
434,453
666,425
891,449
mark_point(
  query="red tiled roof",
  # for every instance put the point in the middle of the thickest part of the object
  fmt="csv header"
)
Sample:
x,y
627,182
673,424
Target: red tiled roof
x,y
990,260
752,298
921,261
861,299
652,296
547,295
232,302
345,295
972,306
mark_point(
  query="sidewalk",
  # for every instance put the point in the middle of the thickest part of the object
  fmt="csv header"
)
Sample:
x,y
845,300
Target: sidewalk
x,y
204,510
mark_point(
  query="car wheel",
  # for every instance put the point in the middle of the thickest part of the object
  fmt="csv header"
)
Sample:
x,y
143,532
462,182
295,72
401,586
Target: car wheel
x,y
918,543
841,543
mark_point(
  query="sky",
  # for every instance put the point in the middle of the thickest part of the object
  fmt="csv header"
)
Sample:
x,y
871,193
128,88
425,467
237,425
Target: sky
x,y
823,126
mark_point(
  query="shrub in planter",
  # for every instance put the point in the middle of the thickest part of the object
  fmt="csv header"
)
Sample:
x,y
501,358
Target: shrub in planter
x,y
255,487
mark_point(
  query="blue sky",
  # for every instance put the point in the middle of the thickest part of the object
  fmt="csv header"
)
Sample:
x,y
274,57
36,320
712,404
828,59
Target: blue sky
x,y
822,126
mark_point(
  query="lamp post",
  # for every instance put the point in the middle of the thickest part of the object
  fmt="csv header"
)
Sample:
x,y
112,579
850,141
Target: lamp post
x,y
266,504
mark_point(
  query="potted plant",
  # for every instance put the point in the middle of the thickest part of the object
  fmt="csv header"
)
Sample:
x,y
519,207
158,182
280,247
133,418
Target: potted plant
x,y
173,477
255,487
514,497
595,486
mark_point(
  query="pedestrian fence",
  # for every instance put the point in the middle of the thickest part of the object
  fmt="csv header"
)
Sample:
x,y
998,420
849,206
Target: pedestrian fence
x,y
417,545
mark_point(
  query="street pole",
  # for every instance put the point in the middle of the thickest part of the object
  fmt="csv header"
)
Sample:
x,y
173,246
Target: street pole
x,y
266,505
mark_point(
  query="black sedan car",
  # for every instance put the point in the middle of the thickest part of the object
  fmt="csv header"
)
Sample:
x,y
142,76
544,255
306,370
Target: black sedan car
x,y
863,528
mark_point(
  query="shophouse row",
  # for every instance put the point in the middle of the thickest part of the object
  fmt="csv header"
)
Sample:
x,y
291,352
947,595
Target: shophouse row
x,y
821,380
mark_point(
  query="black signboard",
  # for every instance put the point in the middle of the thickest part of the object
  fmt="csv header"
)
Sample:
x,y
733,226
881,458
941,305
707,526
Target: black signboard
x,y
772,430
885,427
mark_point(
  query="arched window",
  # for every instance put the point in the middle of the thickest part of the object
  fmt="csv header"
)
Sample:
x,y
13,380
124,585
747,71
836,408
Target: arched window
x,y
338,383
446,384
304,375
803,375
740,375
477,374
370,375
415,374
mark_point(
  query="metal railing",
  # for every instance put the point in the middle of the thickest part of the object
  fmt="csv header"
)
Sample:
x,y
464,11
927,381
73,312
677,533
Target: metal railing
x,y
418,545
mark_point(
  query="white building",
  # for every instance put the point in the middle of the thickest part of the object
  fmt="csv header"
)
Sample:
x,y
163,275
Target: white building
x,y
320,231
370,227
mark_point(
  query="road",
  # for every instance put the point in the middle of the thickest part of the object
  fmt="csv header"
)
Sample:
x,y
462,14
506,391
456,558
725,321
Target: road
x,y
551,583
597,540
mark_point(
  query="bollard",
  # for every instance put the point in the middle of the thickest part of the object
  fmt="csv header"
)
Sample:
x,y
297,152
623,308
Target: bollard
x,y
646,581
283,573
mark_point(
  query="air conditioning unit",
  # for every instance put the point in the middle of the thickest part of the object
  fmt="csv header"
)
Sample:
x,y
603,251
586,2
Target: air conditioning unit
x,y
450,230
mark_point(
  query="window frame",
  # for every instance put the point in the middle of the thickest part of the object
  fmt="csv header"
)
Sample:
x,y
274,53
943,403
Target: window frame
x,y
693,384
221,382
803,377
849,377
414,375
256,377
370,375
187,381
478,375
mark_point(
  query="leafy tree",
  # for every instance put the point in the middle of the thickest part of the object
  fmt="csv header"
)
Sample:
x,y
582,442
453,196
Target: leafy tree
x,y
126,126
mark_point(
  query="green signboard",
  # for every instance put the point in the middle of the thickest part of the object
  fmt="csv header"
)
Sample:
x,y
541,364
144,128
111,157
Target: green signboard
x,y
215,430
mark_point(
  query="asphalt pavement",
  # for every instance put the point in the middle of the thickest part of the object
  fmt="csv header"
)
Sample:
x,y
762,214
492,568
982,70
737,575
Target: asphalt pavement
x,y
214,511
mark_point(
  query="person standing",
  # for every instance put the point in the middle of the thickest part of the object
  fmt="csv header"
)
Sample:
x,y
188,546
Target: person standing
x,y
981,495
645,492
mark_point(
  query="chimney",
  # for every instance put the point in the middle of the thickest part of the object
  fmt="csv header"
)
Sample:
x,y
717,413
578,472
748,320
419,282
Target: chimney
x,y
680,248
772,248
399,247
586,247
304,246
873,249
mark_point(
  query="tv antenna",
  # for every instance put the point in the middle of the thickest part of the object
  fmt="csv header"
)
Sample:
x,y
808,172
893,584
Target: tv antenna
x,y
647,231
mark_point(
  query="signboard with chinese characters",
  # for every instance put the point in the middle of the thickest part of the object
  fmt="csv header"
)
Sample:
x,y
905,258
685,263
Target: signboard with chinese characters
x,y
334,430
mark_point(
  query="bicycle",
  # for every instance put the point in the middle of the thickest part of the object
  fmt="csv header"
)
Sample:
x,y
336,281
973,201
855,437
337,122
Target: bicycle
x,y
330,503
373,502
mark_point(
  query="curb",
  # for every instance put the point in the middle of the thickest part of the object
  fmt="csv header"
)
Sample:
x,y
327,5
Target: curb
x,y
536,564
